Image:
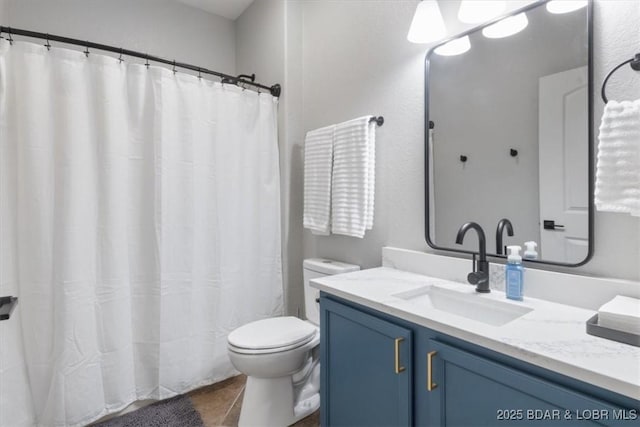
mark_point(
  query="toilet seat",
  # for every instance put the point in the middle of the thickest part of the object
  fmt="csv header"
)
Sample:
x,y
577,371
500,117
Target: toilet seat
x,y
272,335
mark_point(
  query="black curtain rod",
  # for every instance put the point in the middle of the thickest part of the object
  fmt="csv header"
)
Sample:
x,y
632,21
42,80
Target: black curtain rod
x,y
275,90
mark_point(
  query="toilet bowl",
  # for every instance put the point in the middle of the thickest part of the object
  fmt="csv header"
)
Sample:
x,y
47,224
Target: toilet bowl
x,y
272,348
272,394
280,357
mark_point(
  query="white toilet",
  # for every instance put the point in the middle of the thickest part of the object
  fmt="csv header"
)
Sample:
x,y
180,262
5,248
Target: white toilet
x,y
281,359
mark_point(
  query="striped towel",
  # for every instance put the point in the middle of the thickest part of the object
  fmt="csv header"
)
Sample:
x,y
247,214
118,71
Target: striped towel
x,y
353,181
318,155
618,169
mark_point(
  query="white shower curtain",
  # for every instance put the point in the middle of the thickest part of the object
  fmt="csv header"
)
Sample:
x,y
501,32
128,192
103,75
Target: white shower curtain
x,y
139,225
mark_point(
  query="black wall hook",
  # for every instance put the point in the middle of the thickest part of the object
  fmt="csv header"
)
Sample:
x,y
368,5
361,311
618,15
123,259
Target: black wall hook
x,y
463,158
7,305
513,152
378,119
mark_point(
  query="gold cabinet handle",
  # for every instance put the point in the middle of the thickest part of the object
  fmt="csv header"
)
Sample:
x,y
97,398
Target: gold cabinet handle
x,y
398,368
430,384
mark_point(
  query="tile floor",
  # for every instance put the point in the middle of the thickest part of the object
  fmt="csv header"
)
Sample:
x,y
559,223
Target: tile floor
x,y
219,404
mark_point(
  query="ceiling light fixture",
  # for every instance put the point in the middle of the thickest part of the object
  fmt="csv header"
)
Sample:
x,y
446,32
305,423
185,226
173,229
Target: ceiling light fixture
x,y
427,25
477,11
454,47
506,27
565,6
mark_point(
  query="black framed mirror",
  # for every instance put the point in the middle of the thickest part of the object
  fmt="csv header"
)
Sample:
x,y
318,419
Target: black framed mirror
x,y
509,135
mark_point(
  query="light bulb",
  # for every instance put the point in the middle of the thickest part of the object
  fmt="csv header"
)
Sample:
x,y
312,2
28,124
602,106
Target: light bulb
x,y
427,24
476,11
565,6
454,47
506,27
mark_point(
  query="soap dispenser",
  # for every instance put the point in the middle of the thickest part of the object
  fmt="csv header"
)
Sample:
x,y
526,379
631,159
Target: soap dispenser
x,y
530,250
514,274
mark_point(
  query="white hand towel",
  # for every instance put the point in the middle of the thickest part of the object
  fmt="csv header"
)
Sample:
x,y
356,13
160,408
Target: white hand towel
x,y
621,313
318,155
353,181
618,169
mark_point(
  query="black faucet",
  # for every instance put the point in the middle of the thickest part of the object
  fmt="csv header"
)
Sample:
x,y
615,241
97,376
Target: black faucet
x,y
504,222
479,277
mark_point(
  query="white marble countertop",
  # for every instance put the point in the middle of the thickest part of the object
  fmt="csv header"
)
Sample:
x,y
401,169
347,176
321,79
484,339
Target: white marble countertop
x,y
551,336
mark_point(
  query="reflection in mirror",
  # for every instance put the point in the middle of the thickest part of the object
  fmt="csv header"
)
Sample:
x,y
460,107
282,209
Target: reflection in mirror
x,y
511,136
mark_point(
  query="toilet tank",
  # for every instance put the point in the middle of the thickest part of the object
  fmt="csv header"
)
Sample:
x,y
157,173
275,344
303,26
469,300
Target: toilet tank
x,y
319,267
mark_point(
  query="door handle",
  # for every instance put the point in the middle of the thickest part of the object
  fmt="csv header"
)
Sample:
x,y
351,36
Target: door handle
x,y
397,366
551,225
430,384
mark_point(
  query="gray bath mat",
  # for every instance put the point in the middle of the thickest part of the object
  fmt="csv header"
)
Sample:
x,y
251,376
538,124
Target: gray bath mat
x,y
175,412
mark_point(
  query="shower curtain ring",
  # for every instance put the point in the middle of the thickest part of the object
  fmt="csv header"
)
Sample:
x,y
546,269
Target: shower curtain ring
x,y
47,44
120,58
199,73
10,39
86,49
174,67
146,63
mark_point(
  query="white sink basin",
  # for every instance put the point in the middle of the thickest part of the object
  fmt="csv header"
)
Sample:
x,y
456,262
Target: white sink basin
x,y
469,305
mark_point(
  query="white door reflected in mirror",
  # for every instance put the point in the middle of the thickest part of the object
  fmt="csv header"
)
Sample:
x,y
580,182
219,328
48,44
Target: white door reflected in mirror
x,y
564,185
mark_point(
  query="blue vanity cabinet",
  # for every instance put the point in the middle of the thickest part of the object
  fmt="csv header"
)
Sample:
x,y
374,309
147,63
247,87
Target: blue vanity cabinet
x,y
468,390
366,372
470,385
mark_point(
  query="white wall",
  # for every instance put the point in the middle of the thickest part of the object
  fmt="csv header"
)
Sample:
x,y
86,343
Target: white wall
x,y
260,41
269,43
293,168
261,47
165,28
356,61
329,47
616,38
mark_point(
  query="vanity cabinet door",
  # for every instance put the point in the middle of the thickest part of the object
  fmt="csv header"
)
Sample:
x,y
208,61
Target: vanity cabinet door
x,y
366,369
469,390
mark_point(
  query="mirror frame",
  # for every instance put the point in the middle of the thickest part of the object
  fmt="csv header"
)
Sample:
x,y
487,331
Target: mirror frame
x,y
590,143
